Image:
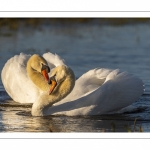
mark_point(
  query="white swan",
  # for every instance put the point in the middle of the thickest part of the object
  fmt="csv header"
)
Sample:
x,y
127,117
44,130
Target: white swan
x,y
99,91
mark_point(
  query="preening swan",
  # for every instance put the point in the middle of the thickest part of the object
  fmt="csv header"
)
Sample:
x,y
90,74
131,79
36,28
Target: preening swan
x,y
99,91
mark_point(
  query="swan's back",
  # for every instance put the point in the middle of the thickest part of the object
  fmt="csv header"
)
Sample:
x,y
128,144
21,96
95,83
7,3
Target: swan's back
x,y
91,80
119,90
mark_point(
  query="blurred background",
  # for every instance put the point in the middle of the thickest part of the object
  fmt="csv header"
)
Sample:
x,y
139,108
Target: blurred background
x,y
84,43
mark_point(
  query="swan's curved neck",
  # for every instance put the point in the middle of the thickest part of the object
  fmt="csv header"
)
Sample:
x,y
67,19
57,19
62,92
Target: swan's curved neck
x,y
37,78
42,105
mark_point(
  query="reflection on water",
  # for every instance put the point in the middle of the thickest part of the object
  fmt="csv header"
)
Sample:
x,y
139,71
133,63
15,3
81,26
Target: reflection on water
x,y
83,47
15,117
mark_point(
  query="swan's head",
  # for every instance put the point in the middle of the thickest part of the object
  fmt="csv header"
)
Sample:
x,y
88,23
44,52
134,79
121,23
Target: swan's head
x,y
59,75
61,80
39,64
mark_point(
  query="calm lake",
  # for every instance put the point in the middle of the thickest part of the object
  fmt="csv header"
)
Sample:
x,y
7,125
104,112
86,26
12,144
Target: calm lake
x,y
83,47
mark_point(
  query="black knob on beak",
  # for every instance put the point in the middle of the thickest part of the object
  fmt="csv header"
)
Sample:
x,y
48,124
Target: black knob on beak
x,y
50,79
45,67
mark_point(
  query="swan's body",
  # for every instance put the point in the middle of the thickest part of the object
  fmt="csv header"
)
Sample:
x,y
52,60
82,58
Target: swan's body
x,y
98,91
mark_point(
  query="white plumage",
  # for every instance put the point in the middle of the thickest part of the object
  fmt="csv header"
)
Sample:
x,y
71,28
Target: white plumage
x,y
99,91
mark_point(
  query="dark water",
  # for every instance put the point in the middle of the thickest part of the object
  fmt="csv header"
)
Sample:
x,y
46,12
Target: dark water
x,y
83,47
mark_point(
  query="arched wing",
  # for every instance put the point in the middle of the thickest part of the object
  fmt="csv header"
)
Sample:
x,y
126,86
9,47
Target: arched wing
x,y
15,80
118,91
88,82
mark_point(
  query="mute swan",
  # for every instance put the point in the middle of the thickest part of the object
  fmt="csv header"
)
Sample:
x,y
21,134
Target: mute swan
x,y
99,91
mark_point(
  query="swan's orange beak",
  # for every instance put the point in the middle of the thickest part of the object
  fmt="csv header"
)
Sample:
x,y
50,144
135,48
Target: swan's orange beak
x,y
53,85
45,74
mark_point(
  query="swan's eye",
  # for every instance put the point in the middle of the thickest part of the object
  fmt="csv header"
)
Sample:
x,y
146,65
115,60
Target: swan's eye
x,y
51,78
45,67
